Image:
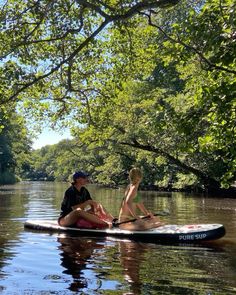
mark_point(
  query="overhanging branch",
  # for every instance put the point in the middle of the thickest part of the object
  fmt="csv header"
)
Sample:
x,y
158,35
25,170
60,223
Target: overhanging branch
x,y
191,48
137,8
208,181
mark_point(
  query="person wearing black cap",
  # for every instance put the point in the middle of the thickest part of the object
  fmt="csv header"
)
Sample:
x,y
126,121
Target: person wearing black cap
x,y
76,199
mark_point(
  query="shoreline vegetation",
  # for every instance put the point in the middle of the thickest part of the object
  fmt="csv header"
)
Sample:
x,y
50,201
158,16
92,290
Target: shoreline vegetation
x,y
214,192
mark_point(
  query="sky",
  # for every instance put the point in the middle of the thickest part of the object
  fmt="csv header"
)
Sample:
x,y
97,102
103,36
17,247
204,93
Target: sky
x,y
48,137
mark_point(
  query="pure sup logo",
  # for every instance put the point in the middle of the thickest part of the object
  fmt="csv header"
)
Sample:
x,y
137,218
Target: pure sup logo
x,y
192,237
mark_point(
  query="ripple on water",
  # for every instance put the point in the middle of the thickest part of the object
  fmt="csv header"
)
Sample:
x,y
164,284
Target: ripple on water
x,y
40,263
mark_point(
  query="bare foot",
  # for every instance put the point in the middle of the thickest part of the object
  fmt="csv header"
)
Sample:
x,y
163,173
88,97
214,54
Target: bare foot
x,y
110,225
158,224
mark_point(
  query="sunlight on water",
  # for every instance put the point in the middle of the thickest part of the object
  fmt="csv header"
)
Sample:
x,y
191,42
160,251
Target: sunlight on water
x,y
33,262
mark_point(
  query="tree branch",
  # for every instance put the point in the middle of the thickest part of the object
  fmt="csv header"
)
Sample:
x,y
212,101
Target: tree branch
x,y
192,48
108,19
208,181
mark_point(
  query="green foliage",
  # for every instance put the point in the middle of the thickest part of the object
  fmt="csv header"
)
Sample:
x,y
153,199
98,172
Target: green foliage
x,y
14,145
8,177
185,182
209,38
137,85
187,105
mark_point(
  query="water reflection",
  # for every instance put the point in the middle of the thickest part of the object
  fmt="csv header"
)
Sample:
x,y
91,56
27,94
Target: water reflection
x,y
75,254
79,255
82,259
131,256
112,266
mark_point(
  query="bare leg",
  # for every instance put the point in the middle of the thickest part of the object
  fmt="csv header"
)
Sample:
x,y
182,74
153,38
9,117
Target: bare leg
x,y
136,225
155,222
73,216
140,225
104,214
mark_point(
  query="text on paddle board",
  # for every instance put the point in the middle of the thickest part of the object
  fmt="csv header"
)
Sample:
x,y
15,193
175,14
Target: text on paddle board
x,y
192,237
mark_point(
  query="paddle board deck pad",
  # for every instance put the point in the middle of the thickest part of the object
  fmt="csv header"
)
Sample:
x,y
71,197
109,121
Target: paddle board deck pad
x,y
169,233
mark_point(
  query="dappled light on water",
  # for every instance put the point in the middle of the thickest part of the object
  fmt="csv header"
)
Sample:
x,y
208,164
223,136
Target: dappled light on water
x,y
33,262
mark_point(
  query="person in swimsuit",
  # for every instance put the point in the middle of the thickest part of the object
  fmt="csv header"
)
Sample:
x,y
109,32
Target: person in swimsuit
x,y
75,203
133,201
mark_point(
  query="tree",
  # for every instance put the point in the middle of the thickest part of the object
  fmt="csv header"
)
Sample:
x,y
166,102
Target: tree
x,y
191,124
48,45
206,60
51,54
14,145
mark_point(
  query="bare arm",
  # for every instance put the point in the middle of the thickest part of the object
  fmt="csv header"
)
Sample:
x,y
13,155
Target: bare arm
x,y
143,209
82,206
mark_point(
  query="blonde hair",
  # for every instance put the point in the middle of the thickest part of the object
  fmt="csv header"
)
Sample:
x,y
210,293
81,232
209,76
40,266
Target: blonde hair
x,y
134,174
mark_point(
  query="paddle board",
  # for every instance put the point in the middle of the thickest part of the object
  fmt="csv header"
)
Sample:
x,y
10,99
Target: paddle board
x,y
169,233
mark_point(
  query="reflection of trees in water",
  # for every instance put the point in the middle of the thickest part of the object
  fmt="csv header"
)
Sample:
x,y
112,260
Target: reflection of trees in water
x,y
188,269
11,199
4,257
75,255
131,256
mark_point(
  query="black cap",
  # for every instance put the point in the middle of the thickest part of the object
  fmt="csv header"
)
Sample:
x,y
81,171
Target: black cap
x,y
80,174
